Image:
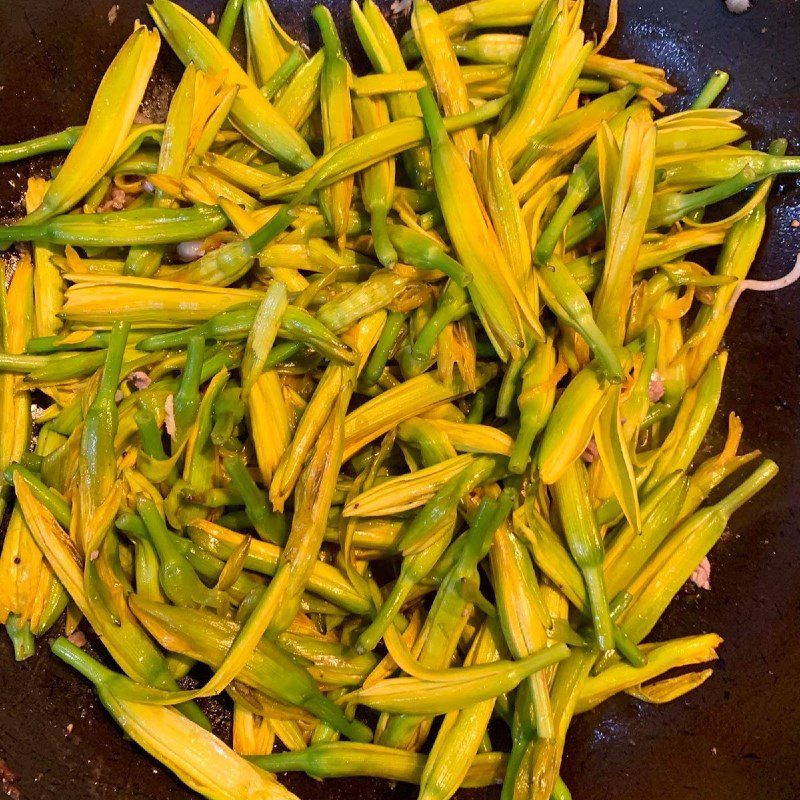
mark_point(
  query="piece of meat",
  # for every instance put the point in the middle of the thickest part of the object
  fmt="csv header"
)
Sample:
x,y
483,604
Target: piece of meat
x,y
655,389
701,577
115,200
169,415
140,380
77,638
399,7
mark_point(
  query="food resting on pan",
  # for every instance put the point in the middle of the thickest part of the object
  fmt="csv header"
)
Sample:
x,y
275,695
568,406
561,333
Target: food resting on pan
x,y
377,402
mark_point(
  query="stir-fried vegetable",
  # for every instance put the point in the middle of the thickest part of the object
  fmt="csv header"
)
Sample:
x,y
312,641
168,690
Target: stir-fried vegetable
x,y
380,392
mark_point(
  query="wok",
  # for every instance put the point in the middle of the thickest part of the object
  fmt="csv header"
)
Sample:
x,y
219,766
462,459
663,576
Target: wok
x,y
738,736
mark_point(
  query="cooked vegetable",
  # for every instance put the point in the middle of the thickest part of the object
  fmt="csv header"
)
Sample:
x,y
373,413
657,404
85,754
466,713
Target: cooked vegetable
x,y
381,391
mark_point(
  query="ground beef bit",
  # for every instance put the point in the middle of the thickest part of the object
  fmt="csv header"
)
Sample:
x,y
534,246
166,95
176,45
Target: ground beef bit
x,y
115,200
655,390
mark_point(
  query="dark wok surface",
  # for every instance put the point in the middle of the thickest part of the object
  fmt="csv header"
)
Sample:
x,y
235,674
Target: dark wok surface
x,y
739,735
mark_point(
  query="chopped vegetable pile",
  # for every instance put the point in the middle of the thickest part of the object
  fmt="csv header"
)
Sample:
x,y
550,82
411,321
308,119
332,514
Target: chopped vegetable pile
x,y
379,403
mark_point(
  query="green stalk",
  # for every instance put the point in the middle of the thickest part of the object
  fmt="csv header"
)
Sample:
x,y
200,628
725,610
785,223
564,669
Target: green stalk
x,y
390,335
49,143
149,433
227,23
453,305
448,612
21,637
97,460
178,578
583,537
661,579
422,252
584,182
283,73
345,760
140,226
229,411
48,497
269,525
712,89
187,399
569,303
